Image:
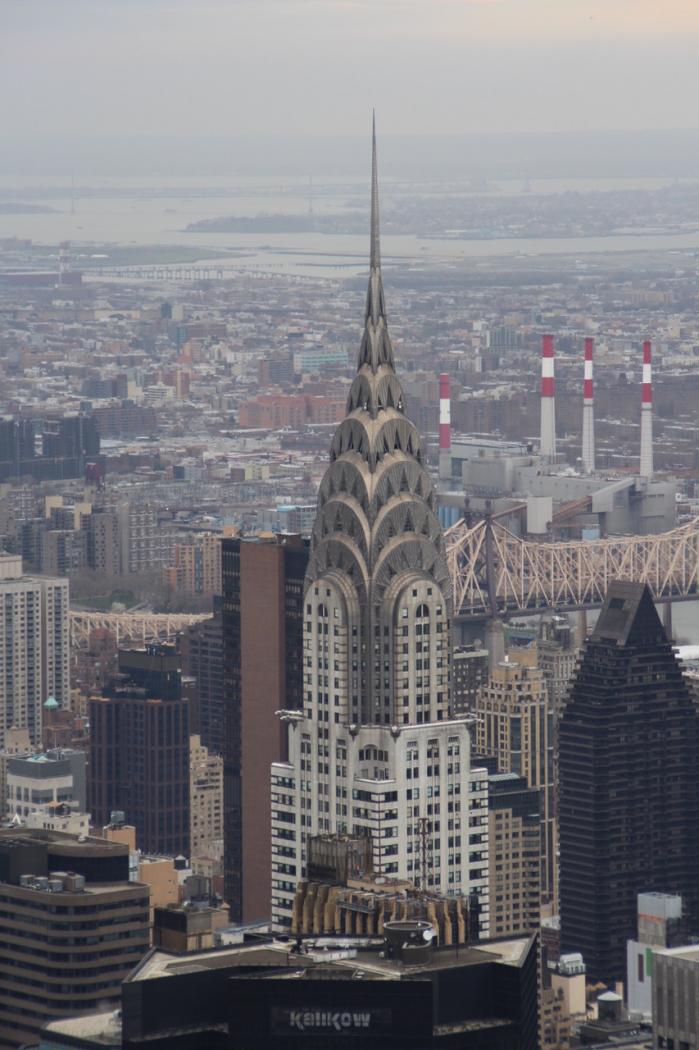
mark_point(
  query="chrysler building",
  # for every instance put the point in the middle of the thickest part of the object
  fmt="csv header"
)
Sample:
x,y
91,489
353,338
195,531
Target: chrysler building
x,y
374,751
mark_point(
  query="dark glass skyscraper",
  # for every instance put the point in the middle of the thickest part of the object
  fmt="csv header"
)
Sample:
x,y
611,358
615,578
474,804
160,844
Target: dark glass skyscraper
x,y
201,648
139,757
50,448
628,781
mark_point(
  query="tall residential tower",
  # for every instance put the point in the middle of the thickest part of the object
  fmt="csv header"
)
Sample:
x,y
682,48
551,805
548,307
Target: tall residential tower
x,y
373,752
262,651
34,647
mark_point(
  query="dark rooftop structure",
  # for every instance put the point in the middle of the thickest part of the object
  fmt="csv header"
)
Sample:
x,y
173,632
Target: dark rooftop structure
x,y
628,741
396,992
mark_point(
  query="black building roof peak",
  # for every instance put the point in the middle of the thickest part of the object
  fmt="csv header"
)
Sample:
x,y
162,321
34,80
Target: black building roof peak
x,y
628,616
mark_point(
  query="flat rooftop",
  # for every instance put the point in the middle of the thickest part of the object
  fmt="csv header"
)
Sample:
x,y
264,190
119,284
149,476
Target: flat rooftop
x,y
63,841
90,889
104,1029
333,955
689,952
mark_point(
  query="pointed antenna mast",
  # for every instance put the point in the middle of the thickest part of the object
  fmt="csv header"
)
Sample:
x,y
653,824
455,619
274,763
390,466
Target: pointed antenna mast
x,y
375,252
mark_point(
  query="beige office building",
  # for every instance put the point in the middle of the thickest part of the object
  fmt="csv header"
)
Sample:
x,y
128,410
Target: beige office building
x,y
515,727
69,940
514,855
205,802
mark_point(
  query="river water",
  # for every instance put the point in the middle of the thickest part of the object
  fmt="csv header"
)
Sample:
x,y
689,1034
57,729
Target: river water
x,y
142,212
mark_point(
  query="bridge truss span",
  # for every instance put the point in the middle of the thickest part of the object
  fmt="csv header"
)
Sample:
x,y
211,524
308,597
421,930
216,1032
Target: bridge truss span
x,y
495,572
139,628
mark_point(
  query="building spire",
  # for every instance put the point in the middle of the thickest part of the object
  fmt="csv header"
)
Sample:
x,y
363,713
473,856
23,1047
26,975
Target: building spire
x,y
375,253
375,307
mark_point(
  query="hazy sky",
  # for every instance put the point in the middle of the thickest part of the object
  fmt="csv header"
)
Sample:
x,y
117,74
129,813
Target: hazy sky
x,y
218,67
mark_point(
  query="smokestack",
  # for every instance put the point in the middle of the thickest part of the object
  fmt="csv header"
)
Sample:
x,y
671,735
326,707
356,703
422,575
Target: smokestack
x,y
588,428
444,427
63,260
494,643
647,415
548,400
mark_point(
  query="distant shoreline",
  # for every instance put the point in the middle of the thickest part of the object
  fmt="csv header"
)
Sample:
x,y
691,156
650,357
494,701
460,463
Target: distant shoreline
x,y
22,208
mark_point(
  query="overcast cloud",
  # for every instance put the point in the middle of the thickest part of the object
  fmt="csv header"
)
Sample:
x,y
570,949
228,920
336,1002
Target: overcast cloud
x,y
212,67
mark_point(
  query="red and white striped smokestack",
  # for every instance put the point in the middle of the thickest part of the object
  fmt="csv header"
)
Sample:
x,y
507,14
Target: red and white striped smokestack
x,y
588,429
548,400
647,414
444,412
444,426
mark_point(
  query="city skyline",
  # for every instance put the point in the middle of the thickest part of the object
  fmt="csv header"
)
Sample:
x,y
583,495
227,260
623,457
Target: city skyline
x,y
349,653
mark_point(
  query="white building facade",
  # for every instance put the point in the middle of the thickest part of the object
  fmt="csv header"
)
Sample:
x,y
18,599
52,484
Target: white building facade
x,y
374,751
34,647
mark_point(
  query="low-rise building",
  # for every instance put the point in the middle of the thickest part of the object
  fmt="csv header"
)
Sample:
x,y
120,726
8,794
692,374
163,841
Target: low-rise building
x,y
37,782
661,924
73,928
675,995
397,991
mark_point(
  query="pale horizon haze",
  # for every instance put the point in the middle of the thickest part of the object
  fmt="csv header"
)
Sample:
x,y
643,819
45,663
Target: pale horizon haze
x,y
82,69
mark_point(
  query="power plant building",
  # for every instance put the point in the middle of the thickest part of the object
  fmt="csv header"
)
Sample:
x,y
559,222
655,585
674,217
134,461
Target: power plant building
x,y
535,492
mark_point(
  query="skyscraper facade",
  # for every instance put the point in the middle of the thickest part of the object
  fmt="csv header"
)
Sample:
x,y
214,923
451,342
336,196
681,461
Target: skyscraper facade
x,y
262,628
201,651
74,927
139,755
514,855
34,647
628,782
373,751
515,727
